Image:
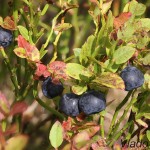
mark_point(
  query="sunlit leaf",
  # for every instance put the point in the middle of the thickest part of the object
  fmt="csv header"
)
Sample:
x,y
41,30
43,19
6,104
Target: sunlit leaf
x,y
58,69
56,134
110,80
23,31
106,6
75,70
123,54
136,8
79,89
121,19
148,134
20,52
9,23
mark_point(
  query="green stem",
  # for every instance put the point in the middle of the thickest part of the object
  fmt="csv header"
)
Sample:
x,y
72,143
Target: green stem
x,y
55,46
52,30
102,124
25,18
117,111
123,116
115,138
12,74
56,113
15,16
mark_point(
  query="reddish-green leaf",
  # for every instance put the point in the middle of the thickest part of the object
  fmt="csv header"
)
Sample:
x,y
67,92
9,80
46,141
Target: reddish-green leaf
x,y
120,21
81,140
4,106
110,80
57,68
9,23
32,53
79,89
18,108
20,52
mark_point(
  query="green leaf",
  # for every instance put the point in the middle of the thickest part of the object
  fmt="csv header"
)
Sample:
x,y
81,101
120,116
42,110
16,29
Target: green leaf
x,y
143,23
62,27
77,51
142,123
113,67
142,41
24,32
75,70
106,6
79,89
146,84
123,54
56,134
136,8
45,9
146,59
126,33
110,80
20,52
87,49
148,134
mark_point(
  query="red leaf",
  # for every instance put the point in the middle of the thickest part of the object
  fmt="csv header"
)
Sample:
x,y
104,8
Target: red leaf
x,y
57,68
18,108
122,19
67,124
31,51
41,70
81,140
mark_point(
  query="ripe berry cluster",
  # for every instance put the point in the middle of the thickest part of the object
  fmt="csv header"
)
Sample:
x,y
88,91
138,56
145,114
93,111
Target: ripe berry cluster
x,y
91,101
5,37
72,104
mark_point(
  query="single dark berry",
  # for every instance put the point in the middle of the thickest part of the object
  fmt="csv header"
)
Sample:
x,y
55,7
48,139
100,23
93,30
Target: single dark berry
x,y
5,37
132,77
92,102
69,104
50,89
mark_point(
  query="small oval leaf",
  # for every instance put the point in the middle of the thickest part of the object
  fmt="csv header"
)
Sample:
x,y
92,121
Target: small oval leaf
x,y
75,70
20,52
123,54
24,32
56,134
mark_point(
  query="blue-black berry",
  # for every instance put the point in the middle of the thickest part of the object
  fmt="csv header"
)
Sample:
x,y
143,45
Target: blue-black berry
x,y
5,37
69,104
92,102
50,89
132,77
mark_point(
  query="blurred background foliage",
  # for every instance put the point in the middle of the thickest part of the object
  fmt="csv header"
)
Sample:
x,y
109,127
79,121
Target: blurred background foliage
x,y
83,26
